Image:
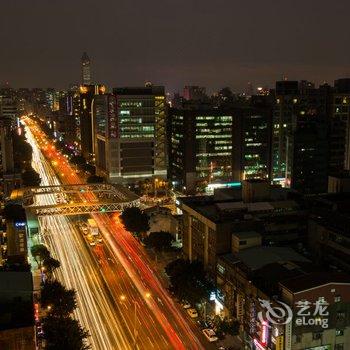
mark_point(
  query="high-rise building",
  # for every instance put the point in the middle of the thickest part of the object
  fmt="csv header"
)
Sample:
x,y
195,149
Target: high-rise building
x,y
87,94
106,145
86,77
8,107
194,93
300,148
210,144
340,126
129,138
252,140
200,147
6,146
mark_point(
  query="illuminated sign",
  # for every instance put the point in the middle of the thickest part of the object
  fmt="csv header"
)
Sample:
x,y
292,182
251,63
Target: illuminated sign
x,y
264,333
20,224
224,185
36,312
258,345
279,342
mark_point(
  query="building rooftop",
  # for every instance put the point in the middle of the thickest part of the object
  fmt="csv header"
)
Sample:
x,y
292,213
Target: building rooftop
x,y
226,210
256,258
247,234
139,90
314,280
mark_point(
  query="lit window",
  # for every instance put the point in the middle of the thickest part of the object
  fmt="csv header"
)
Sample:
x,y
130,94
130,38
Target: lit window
x,y
339,332
337,298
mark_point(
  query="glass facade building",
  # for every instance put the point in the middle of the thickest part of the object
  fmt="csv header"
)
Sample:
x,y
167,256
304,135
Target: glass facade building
x,y
200,148
130,131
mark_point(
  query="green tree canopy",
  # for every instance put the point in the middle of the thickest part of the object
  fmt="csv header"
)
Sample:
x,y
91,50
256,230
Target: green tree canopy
x,y
159,240
64,333
134,220
188,280
30,178
226,326
60,300
51,264
22,150
78,160
89,168
39,253
94,179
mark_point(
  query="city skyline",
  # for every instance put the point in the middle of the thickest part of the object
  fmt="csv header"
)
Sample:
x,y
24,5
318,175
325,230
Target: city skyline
x,y
174,175
211,45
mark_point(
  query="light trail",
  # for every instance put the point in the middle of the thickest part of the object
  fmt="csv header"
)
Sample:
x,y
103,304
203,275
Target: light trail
x,y
123,266
77,271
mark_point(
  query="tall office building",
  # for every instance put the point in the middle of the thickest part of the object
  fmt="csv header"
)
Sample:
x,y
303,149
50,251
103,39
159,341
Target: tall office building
x,y
300,136
130,134
252,140
106,145
8,107
87,94
340,126
194,93
86,77
200,147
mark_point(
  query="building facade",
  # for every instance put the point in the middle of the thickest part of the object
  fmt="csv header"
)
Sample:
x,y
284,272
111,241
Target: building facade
x,y
130,138
200,148
87,94
300,147
209,222
252,141
86,77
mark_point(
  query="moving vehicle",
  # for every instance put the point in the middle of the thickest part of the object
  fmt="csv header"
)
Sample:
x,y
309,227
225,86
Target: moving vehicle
x,y
193,313
93,228
210,334
186,305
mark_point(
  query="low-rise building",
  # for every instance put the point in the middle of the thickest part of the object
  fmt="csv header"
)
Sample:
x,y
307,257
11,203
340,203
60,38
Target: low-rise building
x,y
254,283
17,330
209,221
328,230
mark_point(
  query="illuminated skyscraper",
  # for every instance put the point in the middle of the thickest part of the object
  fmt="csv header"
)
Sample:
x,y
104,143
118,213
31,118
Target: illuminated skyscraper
x,y
129,137
200,147
300,136
85,69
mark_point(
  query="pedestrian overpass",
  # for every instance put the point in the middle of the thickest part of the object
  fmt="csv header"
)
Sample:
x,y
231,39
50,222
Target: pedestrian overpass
x,y
77,199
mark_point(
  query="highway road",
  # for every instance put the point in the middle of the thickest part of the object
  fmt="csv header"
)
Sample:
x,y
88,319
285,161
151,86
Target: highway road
x,y
120,300
78,271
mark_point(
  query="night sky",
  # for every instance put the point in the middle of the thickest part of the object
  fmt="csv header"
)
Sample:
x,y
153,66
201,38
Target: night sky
x,y
213,43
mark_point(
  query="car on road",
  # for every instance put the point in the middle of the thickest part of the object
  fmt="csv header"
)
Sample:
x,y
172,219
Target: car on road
x,y
202,324
186,305
210,334
92,244
192,312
